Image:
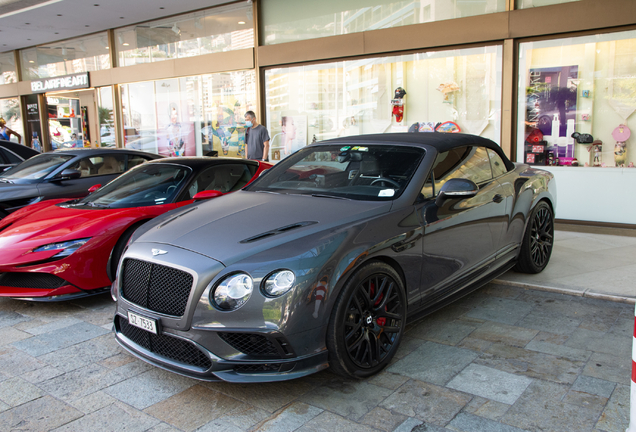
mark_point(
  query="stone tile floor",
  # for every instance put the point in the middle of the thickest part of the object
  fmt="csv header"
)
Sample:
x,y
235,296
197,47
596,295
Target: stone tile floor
x,y
502,359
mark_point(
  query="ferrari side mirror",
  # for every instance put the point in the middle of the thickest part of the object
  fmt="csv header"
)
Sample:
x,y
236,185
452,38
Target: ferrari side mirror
x,y
207,194
94,188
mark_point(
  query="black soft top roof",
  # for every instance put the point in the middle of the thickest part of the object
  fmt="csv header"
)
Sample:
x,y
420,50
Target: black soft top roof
x,y
201,161
440,141
19,149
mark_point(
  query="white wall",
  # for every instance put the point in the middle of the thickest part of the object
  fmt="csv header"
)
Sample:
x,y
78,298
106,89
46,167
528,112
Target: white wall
x,y
595,194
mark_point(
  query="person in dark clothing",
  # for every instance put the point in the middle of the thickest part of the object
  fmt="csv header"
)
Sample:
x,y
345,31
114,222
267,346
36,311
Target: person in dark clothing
x,y
257,139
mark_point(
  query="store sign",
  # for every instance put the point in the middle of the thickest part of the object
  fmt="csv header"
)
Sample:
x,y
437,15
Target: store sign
x,y
66,82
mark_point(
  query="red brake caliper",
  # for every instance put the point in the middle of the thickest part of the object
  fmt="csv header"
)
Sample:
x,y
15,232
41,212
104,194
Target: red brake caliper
x,y
381,321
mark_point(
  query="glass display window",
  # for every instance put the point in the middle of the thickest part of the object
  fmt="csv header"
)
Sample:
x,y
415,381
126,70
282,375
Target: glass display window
x,y
105,110
83,54
449,91
65,122
7,68
189,116
219,29
10,112
287,21
577,100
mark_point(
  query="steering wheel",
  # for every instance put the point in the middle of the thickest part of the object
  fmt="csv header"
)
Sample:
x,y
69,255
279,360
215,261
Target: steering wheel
x,y
386,180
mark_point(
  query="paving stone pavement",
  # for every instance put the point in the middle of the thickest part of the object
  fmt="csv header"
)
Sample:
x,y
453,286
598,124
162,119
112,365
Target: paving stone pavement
x,y
503,359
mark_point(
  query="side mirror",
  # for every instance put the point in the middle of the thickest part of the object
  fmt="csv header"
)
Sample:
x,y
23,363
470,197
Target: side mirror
x,y
68,174
94,188
207,194
456,188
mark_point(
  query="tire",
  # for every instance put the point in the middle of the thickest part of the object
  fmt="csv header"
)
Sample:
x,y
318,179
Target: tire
x,y
538,241
118,250
367,324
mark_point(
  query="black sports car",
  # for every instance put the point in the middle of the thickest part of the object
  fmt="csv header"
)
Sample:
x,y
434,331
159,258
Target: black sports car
x,y
63,174
12,154
323,259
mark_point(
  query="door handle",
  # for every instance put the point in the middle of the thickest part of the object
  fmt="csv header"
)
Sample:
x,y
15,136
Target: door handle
x,y
497,198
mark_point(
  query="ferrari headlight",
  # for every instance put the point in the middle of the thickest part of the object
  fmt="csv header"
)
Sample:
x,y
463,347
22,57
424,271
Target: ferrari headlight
x,y
233,292
66,248
279,282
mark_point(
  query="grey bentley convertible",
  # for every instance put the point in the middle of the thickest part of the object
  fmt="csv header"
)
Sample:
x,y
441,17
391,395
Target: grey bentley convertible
x,y
322,260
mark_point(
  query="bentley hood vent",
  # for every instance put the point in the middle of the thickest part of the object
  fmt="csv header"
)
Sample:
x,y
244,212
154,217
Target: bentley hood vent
x,y
277,231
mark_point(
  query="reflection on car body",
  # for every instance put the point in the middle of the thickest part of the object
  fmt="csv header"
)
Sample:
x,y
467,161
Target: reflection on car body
x,y
324,258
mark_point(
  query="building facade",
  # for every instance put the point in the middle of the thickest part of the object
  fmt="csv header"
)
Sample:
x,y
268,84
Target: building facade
x,y
551,81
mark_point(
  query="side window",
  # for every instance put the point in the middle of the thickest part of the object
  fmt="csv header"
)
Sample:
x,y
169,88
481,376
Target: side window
x,y
100,165
224,178
497,164
10,157
134,160
463,162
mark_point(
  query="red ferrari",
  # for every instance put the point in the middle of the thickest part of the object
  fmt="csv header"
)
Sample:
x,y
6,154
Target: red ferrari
x,y
60,249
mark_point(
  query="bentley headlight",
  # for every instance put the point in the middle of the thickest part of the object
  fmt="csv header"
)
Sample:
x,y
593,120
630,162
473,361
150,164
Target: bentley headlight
x,y
66,248
233,292
279,282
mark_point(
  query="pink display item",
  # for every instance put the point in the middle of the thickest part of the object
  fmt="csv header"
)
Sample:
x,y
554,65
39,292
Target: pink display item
x,y
568,161
621,134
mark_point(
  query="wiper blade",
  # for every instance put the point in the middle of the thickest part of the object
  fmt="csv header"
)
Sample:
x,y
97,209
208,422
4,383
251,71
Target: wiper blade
x,y
329,196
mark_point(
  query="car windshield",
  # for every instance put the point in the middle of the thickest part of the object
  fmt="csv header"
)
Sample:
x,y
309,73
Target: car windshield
x,y
37,167
361,172
145,185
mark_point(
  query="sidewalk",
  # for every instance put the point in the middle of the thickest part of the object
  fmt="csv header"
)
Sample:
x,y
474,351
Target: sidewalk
x,y
587,261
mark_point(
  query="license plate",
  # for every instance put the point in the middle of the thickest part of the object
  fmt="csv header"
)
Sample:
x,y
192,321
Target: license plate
x,y
144,323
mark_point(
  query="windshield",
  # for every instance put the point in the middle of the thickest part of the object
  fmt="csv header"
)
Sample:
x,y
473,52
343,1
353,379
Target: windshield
x,y
37,167
145,185
371,172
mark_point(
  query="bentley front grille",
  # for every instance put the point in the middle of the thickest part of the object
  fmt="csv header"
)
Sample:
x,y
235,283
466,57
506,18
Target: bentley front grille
x,y
156,287
173,348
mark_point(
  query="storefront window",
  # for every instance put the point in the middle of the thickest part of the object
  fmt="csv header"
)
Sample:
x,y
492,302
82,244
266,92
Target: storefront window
x,y
219,29
578,99
286,21
457,90
105,110
84,54
10,112
189,116
7,68
525,4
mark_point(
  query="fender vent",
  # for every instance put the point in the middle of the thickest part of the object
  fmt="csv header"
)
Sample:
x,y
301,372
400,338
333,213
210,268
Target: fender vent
x,y
278,231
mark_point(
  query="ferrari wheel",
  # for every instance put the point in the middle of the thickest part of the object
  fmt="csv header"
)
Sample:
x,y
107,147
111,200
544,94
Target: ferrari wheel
x,y
538,240
118,250
367,322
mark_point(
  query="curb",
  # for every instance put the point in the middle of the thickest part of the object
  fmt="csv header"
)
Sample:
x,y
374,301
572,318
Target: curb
x,y
578,293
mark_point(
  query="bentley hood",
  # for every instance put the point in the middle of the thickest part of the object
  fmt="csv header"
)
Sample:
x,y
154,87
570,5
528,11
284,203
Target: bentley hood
x,y
244,223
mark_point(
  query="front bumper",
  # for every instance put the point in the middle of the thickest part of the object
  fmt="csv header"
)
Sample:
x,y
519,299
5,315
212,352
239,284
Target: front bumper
x,y
175,353
41,287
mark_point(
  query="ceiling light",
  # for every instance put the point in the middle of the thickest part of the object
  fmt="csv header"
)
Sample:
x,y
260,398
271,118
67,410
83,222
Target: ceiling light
x,y
125,44
31,61
241,22
107,47
176,29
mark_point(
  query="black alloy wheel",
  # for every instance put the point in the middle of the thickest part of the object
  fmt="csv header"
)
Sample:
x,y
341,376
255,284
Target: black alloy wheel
x,y
541,237
368,322
538,240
